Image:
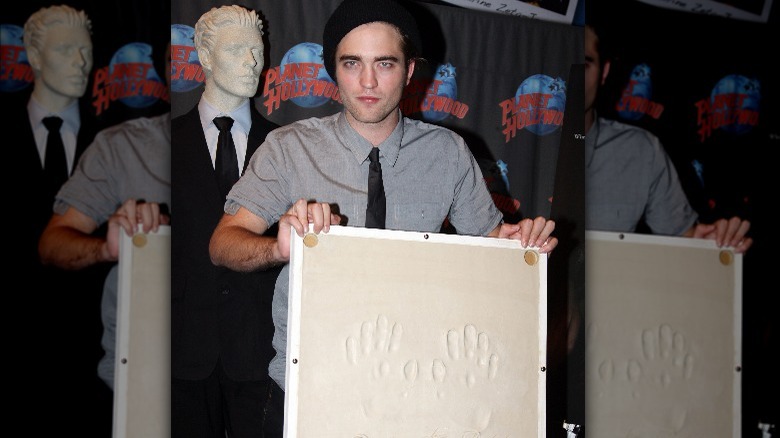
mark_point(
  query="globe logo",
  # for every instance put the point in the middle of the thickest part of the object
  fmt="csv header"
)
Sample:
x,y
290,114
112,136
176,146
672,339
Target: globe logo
x,y
640,85
541,83
750,98
124,67
447,87
15,72
184,72
300,54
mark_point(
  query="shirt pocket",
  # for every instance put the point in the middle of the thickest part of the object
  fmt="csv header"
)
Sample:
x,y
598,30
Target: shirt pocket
x,y
421,216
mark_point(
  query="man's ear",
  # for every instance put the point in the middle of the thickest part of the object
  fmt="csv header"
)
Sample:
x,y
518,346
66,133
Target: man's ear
x,y
605,71
410,70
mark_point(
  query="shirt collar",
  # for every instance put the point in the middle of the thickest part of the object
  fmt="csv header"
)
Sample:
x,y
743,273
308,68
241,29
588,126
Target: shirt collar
x,y
241,116
360,147
70,116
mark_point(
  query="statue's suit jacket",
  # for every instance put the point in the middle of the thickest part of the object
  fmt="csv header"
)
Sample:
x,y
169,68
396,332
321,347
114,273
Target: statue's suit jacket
x,y
217,314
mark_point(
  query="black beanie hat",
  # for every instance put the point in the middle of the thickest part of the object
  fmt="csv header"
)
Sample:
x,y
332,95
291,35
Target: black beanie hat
x,y
353,13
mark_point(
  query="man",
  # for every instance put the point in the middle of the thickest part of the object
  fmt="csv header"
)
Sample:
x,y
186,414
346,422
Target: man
x,y
221,320
429,175
122,180
630,177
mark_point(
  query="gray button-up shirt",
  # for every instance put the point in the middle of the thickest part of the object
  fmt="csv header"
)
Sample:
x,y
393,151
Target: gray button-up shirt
x,y
428,171
628,175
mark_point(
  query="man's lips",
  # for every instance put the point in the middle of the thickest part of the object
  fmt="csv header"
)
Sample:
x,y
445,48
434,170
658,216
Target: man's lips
x,y
368,99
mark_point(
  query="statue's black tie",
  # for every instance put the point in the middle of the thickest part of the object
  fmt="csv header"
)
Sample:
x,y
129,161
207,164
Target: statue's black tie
x,y
55,166
226,163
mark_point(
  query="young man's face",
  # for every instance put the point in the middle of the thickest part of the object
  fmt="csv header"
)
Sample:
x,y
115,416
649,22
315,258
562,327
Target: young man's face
x,y
371,73
65,60
236,60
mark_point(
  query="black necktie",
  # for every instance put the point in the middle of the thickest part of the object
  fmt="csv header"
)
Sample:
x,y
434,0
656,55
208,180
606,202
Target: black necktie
x,y
226,163
55,166
375,211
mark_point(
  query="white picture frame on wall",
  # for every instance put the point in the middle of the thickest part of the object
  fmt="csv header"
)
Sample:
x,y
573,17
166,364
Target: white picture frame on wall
x,y
518,8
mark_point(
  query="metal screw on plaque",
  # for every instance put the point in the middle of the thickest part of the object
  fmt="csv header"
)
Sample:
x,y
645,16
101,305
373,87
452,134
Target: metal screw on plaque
x,y
310,240
139,240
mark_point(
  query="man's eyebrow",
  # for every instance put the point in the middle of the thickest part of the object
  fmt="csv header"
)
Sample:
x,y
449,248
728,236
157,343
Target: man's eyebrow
x,y
386,58
346,57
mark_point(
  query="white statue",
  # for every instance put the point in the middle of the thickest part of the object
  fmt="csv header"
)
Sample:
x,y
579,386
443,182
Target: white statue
x,y
59,48
230,47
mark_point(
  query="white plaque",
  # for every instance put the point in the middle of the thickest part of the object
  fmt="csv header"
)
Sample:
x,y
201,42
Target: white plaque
x,y
406,334
663,345
142,395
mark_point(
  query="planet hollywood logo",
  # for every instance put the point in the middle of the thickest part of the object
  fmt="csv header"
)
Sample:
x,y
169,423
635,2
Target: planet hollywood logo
x,y
186,71
434,99
733,106
15,72
635,101
301,78
538,107
129,78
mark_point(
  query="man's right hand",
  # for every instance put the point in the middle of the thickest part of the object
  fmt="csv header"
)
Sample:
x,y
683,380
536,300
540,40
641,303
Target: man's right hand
x,y
304,217
128,217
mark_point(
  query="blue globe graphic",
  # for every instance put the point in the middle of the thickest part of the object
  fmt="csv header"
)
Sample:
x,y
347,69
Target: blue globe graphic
x,y
183,35
447,88
641,86
138,53
541,83
11,36
738,84
306,53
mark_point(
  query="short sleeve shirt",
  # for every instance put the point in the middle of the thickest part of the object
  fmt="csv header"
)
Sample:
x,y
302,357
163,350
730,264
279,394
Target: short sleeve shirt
x,y
628,177
429,175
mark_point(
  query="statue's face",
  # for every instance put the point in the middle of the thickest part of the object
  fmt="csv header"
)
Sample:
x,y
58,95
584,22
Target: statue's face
x,y
65,60
236,60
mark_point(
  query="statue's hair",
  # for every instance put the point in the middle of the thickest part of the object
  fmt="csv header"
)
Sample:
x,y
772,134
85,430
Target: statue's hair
x,y
216,18
36,26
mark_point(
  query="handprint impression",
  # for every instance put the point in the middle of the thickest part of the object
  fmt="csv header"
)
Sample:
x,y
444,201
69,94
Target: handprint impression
x,y
465,376
660,374
374,353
